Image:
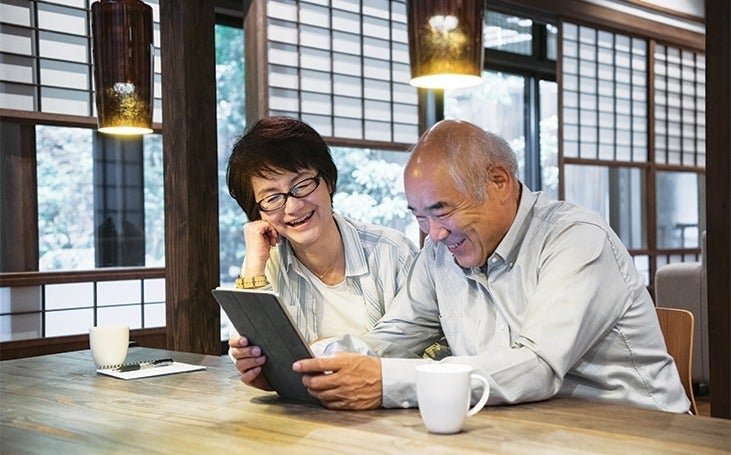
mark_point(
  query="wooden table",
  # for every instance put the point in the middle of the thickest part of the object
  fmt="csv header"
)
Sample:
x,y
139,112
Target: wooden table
x,y
58,404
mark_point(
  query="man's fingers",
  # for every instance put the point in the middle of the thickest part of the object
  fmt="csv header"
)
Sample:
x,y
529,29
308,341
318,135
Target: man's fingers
x,y
317,365
320,382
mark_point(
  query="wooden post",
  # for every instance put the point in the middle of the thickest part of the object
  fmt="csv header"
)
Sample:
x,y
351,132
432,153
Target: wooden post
x,y
718,198
190,169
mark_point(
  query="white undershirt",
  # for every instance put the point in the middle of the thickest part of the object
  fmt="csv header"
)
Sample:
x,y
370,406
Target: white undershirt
x,y
339,311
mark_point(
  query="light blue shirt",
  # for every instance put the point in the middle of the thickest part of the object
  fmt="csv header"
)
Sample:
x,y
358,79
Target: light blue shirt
x,y
377,262
559,310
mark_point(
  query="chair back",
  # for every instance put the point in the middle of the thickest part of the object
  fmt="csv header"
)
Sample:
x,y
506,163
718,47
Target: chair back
x,y
677,329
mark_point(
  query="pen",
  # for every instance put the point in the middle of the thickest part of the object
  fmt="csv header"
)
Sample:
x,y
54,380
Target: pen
x,y
144,365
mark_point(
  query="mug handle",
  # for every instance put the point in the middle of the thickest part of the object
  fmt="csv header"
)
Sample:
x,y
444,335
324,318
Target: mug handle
x,y
485,394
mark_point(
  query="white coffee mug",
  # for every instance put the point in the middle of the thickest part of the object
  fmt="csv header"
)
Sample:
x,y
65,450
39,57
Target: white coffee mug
x,y
109,344
443,391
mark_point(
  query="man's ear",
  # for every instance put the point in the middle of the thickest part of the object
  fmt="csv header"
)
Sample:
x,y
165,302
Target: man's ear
x,y
499,176
502,184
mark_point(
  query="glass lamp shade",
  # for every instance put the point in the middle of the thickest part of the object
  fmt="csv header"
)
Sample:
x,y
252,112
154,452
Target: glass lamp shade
x,y
445,42
122,51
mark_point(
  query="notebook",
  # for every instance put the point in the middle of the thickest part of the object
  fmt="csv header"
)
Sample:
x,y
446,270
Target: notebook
x,y
260,316
148,368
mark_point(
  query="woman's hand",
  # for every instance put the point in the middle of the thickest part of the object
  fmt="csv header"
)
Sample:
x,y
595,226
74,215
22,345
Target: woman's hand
x,y
260,237
248,361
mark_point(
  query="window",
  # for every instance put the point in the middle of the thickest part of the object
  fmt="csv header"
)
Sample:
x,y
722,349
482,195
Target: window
x,y
616,193
604,95
342,67
231,121
100,201
612,164
680,107
605,118
680,209
86,233
371,188
45,57
680,146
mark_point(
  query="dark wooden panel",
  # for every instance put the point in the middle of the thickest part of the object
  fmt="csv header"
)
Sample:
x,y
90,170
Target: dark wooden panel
x,y
18,206
718,198
191,173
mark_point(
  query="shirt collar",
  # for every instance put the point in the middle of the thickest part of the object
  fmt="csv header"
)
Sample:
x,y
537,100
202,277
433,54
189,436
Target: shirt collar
x,y
510,244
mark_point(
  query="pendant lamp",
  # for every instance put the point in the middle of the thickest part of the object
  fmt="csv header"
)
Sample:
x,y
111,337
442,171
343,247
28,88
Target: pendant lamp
x,y
122,50
445,42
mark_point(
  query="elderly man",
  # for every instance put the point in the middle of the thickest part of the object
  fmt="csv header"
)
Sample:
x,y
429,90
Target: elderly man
x,y
539,295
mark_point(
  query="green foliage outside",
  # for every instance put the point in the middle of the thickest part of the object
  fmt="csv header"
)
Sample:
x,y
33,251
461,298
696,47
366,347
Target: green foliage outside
x,y
231,120
65,198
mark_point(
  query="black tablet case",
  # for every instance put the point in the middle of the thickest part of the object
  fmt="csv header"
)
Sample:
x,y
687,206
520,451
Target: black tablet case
x,y
265,322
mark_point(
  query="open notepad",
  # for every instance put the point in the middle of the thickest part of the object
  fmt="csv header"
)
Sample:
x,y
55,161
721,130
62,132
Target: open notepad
x,y
148,369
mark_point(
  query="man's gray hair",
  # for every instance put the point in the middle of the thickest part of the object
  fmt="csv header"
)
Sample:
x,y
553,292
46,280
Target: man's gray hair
x,y
469,155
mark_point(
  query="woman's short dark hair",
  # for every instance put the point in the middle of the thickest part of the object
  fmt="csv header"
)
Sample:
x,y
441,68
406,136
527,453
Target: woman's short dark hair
x,y
276,145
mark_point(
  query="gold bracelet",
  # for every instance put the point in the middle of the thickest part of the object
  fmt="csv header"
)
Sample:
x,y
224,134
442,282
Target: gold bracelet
x,y
248,282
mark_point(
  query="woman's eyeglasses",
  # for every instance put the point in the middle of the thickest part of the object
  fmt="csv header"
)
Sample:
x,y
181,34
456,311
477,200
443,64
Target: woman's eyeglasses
x,y
300,189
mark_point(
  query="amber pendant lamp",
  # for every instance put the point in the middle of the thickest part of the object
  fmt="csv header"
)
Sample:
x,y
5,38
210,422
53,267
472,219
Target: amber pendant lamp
x,y
445,42
122,51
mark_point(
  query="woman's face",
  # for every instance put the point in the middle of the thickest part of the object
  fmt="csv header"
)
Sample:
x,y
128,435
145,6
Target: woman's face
x,y
302,220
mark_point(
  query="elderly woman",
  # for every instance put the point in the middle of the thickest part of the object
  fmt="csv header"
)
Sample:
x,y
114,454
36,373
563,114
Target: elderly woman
x,y
334,274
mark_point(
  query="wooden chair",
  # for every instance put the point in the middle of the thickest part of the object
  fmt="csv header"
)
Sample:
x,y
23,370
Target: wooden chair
x,y
677,329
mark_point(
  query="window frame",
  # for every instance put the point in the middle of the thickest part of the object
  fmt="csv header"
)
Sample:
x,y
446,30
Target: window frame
x,y
19,207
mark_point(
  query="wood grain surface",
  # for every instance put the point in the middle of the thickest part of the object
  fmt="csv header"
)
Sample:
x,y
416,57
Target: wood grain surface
x,y
58,404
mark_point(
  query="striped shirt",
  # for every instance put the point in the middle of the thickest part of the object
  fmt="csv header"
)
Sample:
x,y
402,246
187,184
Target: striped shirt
x,y
377,262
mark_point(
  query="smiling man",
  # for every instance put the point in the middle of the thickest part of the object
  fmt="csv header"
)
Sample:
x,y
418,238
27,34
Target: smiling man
x,y
538,295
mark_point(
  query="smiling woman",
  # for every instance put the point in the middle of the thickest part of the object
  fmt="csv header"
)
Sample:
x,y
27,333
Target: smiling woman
x,y
336,275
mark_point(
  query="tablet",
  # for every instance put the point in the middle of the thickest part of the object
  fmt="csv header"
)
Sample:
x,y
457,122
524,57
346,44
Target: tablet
x,y
260,316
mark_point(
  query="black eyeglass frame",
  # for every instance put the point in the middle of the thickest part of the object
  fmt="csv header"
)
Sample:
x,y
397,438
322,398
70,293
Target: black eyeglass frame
x,y
292,192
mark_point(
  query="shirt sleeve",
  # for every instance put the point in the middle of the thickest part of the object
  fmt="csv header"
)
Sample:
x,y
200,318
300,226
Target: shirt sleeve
x,y
411,323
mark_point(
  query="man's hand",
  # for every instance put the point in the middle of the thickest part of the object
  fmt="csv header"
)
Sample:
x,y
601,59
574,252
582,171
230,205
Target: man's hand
x,y
344,381
248,361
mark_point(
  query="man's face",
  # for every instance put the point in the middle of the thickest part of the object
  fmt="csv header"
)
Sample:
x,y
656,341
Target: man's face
x,y
471,230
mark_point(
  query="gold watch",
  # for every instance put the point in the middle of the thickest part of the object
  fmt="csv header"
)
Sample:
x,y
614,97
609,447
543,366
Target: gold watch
x,y
247,282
